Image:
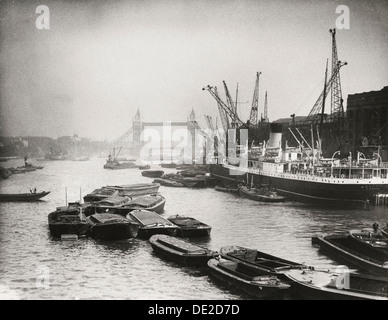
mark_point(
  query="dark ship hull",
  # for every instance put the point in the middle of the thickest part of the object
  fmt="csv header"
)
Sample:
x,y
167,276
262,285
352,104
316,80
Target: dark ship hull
x,y
338,192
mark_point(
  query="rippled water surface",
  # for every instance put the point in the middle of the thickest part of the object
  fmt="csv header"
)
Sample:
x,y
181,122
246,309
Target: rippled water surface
x,y
35,266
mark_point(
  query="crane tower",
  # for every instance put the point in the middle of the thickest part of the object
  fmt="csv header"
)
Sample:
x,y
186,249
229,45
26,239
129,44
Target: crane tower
x,y
254,115
336,92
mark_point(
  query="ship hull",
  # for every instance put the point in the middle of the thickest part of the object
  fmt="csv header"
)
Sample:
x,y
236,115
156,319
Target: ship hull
x,y
339,193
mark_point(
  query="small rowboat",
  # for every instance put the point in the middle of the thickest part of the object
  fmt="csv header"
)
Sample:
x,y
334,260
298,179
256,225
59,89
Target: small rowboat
x,y
5,197
179,250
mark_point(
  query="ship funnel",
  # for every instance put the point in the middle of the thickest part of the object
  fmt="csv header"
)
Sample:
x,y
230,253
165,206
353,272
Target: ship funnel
x,y
275,136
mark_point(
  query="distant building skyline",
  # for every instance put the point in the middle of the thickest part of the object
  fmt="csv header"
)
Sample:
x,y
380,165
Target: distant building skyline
x,y
99,62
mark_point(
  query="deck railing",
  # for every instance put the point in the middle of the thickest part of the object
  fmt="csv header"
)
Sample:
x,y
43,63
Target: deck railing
x,y
338,172
384,164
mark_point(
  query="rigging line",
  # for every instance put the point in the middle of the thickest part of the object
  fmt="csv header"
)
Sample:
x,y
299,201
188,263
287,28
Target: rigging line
x,y
299,107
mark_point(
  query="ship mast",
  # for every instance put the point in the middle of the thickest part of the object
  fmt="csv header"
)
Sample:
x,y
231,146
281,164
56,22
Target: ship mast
x,y
323,101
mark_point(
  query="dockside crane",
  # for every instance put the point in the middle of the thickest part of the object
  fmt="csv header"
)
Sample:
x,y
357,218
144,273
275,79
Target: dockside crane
x,y
333,85
230,102
336,92
238,102
254,115
317,108
229,99
193,123
223,115
229,109
337,108
134,130
331,123
123,136
209,122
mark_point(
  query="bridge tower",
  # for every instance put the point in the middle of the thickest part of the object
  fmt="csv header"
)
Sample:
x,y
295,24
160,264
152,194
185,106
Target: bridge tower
x,y
137,129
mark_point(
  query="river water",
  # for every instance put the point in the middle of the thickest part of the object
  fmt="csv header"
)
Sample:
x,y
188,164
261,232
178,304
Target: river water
x,y
35,266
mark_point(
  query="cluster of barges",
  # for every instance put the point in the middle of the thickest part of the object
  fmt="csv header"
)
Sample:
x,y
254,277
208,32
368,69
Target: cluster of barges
x,y
261,275
134,211
199,178
121,212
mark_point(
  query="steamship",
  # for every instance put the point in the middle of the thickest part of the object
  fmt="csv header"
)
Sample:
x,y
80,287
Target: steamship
x,y
306,176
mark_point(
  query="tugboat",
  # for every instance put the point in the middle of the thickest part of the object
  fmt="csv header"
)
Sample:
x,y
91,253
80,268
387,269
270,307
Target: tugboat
x,y
260,194
113,162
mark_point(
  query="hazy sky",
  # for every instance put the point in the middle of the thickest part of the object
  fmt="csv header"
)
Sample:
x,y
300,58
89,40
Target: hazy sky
x,y
102,60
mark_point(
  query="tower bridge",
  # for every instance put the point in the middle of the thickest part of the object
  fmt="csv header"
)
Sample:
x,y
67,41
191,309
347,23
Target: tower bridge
x,y
165,140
